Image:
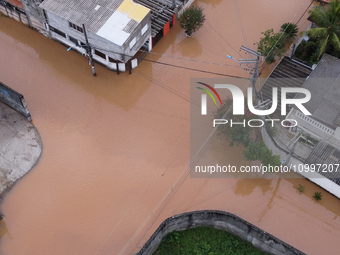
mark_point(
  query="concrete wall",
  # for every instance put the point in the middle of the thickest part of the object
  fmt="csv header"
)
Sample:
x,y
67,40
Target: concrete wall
x,y
219,220
316,129
32,9
15,100
13,12
35,14
141,39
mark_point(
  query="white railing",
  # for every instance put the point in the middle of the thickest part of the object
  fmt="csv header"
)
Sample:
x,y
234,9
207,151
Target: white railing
x,y
314,123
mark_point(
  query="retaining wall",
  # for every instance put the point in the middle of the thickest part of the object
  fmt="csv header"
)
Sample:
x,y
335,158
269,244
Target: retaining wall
x,y
219,220
15,100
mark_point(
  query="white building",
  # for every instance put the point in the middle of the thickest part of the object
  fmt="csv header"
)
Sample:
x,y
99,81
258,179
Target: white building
x,y
116,29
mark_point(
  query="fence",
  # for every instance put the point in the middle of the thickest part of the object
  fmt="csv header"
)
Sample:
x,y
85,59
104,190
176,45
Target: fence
x,y
15,100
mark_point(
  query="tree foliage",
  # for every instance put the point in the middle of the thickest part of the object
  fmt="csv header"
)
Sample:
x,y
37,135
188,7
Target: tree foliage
x,y
272,44
269,44
237,133
191,19
290,30
308,51
240,134
204,241
259,151
327,31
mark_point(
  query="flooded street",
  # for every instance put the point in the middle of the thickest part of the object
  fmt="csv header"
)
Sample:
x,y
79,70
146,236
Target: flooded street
x,y
116,147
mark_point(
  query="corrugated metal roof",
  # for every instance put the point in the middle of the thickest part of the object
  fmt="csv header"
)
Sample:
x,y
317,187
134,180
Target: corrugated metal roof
x,y
161,13
288,73
325,154
324,86
130,26
113,29
113,20
126,7
138,12
83,11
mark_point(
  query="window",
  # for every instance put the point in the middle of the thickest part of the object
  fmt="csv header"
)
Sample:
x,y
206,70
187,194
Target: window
x,y
75,27
74,40
57,31
100,54
112,60
133,42
81,44
144,29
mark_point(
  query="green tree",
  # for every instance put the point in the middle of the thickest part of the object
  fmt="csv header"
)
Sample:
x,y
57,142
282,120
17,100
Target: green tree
x,y
259,151
191,19
270,45
236,133
328,26
255,151
290,30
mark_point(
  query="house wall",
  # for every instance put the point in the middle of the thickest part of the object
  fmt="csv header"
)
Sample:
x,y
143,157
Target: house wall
x,y
111,50
141,39
14,11
310,124
126,53
35,15
16,3
32,9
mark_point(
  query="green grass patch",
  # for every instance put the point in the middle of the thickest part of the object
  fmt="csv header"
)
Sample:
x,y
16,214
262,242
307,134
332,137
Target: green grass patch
x,y
205,241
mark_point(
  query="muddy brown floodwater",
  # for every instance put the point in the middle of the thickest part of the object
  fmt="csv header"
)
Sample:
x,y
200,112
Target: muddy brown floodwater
x,y
116,148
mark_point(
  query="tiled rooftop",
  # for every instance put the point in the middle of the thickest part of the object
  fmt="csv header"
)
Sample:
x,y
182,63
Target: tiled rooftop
x,y
113,20
324,86
83,11
288,73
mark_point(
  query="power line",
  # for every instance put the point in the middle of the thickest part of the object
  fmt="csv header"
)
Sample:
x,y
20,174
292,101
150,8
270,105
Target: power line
x,y
245,69
171,90
172,65
305,12
283,32
188,59
197,70
224,39
240,23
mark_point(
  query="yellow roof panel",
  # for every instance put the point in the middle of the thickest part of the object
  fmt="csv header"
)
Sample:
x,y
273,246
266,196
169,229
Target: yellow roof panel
x,y
126,6
138,13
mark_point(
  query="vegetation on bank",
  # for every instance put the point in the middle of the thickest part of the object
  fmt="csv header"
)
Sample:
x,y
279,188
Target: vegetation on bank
x,y
204,241
238,134
272,44
325,37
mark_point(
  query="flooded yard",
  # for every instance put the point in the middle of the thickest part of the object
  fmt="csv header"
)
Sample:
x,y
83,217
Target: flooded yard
x,y
116,147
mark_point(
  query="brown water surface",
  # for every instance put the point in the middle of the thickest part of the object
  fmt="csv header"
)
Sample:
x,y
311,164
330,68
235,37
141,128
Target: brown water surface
x,y
116,148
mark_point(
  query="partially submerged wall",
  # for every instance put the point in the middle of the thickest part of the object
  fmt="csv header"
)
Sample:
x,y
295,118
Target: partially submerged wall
x,y
15,100
219,220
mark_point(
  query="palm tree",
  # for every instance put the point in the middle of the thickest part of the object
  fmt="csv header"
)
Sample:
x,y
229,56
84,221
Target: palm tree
x,y
328,26
290,30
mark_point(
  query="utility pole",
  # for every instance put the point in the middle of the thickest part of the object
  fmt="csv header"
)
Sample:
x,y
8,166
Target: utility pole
x,y
89,52
291,147
255,61
254,77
